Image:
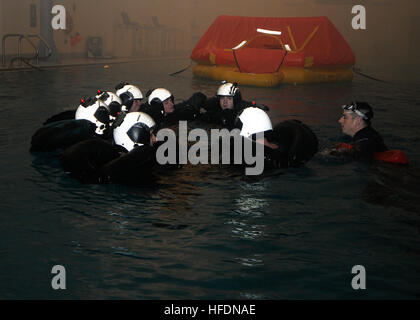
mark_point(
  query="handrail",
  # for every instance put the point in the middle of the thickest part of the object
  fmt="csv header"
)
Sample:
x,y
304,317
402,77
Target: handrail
x,y
4,45
27,37
20,48
50,51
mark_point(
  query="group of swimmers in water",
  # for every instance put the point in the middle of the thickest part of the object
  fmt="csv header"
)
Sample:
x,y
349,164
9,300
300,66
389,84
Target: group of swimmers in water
x,y
112,137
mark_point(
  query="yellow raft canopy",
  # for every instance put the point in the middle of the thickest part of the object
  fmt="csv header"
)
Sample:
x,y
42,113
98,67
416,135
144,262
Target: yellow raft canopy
x,y
269,51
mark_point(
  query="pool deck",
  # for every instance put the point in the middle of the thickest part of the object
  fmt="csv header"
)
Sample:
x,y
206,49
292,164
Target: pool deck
x,y
72,62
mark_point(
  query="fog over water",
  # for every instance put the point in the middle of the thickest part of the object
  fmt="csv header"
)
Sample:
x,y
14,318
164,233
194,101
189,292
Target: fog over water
x,y
385,49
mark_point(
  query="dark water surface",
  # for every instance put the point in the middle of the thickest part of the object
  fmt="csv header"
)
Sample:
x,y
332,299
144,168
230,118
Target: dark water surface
x,y
206,232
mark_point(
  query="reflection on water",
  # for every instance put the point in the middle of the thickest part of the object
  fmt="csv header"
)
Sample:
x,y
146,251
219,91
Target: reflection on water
x,y
394,186
245,217
255,261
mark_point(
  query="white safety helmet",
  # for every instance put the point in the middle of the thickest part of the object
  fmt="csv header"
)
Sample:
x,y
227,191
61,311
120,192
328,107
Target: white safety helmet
x,y
96,112
134,130
254,120
128,93
159,95
228,89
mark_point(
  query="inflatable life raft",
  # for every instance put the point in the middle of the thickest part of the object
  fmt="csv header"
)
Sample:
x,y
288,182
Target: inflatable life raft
x,y
269,51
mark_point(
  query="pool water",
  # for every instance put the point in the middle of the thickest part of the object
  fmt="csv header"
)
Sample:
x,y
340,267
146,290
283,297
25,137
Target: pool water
x,y
208,232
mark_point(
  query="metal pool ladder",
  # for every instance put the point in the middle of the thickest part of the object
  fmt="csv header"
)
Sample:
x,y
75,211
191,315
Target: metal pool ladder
x,y
19,53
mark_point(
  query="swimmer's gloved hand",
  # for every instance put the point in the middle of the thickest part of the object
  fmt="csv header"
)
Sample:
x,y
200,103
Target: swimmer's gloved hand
x,y
228,117
339,152
198,101
337,149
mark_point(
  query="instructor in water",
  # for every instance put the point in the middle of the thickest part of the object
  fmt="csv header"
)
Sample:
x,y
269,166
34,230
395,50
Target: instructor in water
x,y
356,122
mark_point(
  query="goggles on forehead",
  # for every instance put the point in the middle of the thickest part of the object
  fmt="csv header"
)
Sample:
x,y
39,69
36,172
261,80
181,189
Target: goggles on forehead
x,y
354,108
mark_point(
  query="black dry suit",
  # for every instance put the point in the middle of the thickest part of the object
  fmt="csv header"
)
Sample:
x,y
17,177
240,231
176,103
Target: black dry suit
x,y
62,130
226,117
366,142
99,161
62,134
187,110
297,144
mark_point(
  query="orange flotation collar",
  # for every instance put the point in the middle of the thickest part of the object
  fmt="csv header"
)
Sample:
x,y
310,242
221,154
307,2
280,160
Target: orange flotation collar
x,y
391,156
